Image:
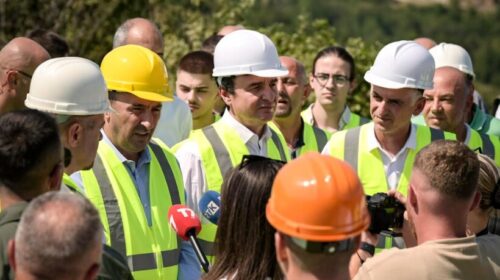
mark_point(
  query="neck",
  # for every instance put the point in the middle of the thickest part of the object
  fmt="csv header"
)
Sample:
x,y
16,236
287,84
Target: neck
x,y
127,155
393,142
440,227
461,132
8,198
327,118
290,128
339,273
71,168
257,128
478,220
206,120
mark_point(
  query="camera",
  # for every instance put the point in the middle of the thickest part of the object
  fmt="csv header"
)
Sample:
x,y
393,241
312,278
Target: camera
x,y
386,212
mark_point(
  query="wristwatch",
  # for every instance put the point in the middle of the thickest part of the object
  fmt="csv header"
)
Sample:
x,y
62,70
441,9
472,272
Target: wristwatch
x,y
369,248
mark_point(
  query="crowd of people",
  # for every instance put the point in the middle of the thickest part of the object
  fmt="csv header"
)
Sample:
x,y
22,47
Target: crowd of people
x,y
93,157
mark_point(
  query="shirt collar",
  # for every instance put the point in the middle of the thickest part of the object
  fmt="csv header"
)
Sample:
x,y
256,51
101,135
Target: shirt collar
x,y
245,133
411,142
344,118
144,157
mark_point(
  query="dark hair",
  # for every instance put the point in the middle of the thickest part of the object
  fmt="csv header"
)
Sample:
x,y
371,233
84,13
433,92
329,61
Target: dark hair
x,y
54,43
341,53
27,138
226,83
451,168
57,230
197,62
245,240
209,44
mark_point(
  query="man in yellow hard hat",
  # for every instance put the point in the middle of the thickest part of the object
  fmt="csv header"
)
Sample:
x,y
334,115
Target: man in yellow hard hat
x,y
317,239
134,181
175,121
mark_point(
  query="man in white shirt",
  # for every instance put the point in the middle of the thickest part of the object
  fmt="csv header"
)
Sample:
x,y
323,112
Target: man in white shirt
x,y
246,66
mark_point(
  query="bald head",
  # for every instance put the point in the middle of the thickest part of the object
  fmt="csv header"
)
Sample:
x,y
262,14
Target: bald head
x,y
18,60
425,42
23,54
296,67
139,31
229,28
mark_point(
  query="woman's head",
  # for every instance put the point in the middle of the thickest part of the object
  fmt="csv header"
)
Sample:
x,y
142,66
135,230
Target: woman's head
x,y
332,76
488,178
245,240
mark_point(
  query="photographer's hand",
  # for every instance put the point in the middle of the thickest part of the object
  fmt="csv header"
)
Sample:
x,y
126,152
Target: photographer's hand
x,y
362,254
406,231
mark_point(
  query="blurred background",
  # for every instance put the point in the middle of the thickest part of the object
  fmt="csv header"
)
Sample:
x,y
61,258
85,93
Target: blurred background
x,y
300,28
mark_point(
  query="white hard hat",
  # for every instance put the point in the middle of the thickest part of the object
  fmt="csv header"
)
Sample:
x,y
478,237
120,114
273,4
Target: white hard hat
x,y
402,64
247,52
68,86
452,55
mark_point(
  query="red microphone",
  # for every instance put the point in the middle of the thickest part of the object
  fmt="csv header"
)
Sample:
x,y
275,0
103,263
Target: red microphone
x,y
187,225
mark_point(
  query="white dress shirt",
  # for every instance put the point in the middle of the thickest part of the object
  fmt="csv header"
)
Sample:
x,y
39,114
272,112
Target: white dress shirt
x,y
175,122
189,157
393,165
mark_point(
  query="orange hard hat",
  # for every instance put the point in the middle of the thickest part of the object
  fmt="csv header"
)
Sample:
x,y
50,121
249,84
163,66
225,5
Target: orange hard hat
x,y
318,198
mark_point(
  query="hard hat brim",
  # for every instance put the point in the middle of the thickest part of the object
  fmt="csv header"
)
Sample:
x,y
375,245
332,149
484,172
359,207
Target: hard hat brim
x,y
151,96
376,80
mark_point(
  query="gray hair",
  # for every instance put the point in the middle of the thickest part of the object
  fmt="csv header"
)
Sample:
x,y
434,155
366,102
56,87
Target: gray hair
x,y
56,231
121,33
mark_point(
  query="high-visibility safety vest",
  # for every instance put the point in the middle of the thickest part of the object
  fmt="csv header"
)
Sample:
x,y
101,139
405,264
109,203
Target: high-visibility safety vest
x,y
485,144
354,121
314,138
221,148
349,145
152,252
71,184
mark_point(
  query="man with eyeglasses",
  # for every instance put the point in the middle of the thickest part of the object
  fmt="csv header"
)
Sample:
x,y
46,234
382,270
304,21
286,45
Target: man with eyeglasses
x,y
382,152
332,80
246,65
18,60
293,91
175,121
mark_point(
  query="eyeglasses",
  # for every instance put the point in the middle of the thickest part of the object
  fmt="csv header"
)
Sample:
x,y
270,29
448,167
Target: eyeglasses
x,y
255,158
18,71
339,80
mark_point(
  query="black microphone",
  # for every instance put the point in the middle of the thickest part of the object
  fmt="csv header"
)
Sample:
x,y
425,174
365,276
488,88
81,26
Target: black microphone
x,y
187,225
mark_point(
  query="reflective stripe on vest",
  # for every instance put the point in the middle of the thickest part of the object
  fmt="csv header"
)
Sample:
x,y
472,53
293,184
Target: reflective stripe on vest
x,y
123,215
350,145
221,149
485,144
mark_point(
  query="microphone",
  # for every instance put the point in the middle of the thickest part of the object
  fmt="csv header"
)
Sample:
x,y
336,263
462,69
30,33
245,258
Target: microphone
x,y
210,206
187,225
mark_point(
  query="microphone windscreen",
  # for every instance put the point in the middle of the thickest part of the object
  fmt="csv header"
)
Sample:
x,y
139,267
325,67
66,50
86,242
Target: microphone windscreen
x,y
210,206
183,220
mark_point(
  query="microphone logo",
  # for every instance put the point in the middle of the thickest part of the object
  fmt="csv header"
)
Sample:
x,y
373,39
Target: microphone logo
x,y
212,208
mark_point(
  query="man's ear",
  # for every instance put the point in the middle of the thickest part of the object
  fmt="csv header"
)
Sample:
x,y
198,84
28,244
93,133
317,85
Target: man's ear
x,y
475,201
11,254
419,106
226,96
74,134
55,177
412,199
307,92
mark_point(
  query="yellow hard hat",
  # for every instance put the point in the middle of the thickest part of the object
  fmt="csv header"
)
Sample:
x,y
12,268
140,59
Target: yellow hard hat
x,y
136,70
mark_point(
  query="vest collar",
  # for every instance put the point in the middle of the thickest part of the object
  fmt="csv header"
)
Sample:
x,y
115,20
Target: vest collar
x,y
245,133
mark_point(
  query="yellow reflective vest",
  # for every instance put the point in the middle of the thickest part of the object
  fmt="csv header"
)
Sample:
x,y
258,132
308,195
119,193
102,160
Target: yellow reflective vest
x,y
485,144
221,148
349,145
152,252
314,138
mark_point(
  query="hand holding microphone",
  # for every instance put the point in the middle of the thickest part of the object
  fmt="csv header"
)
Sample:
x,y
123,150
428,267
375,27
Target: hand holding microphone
x,y
187,225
